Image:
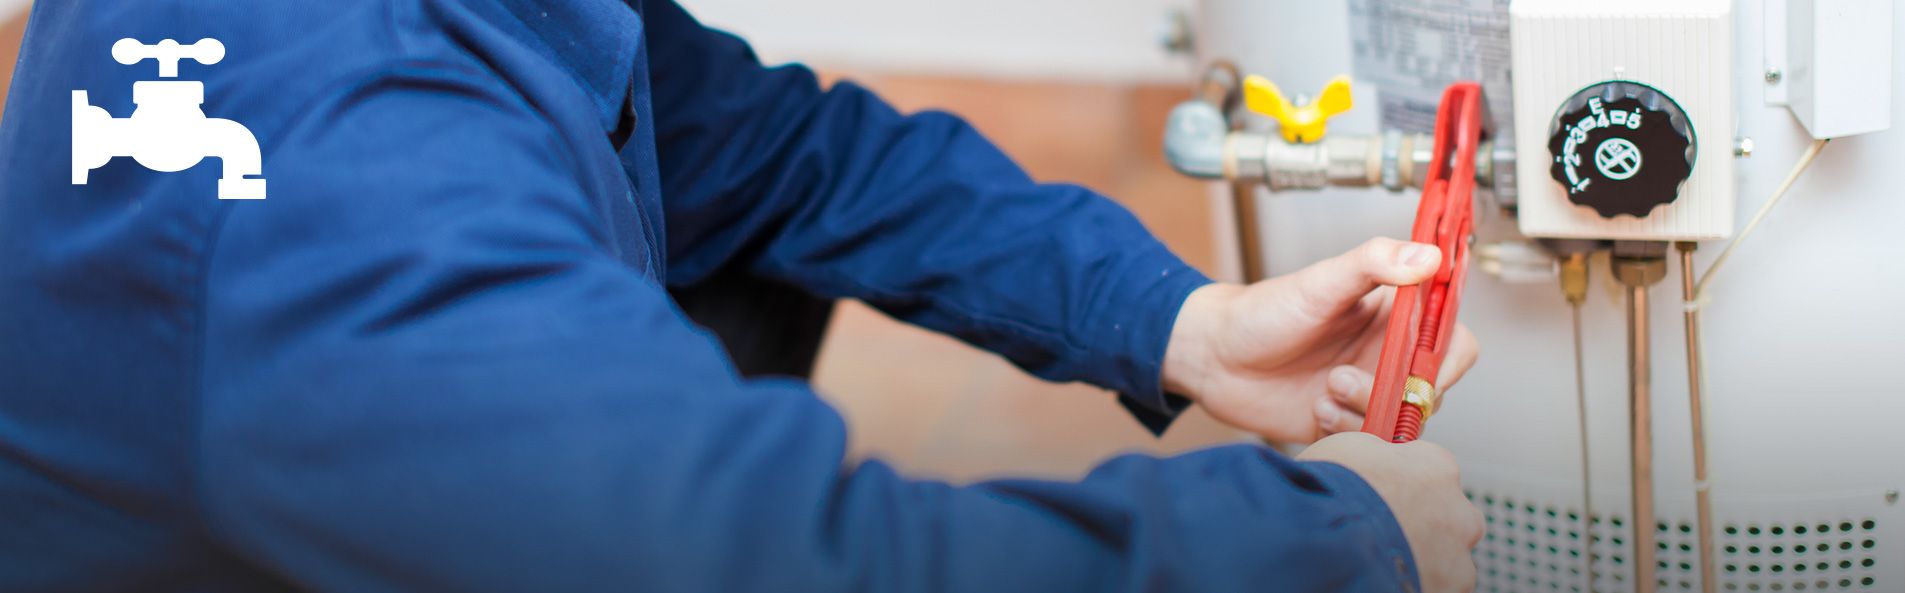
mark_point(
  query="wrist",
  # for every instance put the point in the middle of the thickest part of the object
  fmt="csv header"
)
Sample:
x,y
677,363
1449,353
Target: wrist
x,y
1189,357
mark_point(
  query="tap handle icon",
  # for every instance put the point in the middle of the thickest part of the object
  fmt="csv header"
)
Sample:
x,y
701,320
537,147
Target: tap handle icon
x,y
167,53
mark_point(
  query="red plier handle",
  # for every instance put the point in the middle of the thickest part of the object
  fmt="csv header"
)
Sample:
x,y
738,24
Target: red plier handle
x,y
1422,321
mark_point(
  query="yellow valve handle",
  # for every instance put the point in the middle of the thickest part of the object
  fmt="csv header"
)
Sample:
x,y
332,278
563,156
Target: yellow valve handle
x,y
1299,123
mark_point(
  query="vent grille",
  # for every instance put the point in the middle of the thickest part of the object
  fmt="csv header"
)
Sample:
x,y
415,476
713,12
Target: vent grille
x,y
1799,556
1536,546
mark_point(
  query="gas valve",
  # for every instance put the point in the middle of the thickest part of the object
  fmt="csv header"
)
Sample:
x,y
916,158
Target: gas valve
x,y
1621,148
1299,122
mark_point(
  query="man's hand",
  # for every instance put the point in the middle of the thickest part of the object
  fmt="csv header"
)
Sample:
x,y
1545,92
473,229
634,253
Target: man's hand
x,y
1421,485
1288,358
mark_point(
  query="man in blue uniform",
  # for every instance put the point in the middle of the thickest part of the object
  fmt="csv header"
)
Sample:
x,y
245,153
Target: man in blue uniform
x,y
442,355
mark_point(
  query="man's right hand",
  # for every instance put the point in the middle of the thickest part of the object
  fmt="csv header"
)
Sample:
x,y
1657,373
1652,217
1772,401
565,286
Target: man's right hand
x,y
1422,486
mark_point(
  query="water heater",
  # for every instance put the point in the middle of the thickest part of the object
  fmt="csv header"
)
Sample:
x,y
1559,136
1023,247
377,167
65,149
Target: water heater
x,y
1631,123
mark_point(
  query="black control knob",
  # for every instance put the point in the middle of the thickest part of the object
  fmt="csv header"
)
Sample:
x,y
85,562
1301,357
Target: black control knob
x,y
1621,148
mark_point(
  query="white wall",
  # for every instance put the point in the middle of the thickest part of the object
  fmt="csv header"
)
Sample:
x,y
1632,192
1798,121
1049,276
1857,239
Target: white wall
x,y
1113,40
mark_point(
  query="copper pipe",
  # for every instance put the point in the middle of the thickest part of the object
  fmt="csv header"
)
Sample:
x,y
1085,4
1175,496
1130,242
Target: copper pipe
x,y
1702,503
1641,423
1222,86
1643,265
1243,198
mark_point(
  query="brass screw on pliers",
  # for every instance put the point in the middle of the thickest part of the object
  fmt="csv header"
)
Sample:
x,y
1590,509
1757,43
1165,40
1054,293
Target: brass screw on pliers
x,y
1420,393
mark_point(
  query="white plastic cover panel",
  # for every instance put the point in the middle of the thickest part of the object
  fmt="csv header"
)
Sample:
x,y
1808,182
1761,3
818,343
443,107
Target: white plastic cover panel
x,y
1683,48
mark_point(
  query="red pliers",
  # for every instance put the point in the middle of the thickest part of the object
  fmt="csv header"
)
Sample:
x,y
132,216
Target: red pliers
x,y
1422,321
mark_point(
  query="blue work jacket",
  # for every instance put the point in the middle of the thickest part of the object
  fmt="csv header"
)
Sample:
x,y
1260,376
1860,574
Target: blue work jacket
x,y
440,355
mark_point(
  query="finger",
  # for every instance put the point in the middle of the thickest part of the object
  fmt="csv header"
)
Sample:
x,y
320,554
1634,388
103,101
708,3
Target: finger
x,y
1465,576
1462,354
1365,317
1333,418
1349,387
1477,526
1333,284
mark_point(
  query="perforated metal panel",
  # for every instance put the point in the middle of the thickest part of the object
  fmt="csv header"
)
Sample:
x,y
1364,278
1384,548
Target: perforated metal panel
x,y
1538,546
1841,555
1530,546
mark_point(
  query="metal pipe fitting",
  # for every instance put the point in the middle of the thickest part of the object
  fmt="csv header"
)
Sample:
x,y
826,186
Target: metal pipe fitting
x,y
1342,161
1199,143
1574,278
1195,139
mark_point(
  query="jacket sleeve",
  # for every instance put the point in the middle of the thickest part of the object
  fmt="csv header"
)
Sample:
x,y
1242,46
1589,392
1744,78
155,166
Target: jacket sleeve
x,y
917,215
425,370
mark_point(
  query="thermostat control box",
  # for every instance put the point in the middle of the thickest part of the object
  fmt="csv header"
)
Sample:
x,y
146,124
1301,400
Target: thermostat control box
x,y
1672,62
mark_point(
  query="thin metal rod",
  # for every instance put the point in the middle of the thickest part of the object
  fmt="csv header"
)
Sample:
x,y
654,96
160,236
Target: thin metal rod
x,y
1587,469
1805,160
1703,506
1641,423
1243,199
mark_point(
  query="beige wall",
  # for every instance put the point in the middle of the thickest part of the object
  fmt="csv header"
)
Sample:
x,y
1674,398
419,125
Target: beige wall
x,y
12,27
1078,40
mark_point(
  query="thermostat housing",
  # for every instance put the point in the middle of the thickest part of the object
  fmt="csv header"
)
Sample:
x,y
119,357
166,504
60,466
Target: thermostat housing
x,y
1681,49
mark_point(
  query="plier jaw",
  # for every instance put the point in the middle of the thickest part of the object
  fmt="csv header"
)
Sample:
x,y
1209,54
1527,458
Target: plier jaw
x,y
1422,320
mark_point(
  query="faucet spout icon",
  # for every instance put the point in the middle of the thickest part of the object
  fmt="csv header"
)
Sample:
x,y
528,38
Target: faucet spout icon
x,y
168,131
233,145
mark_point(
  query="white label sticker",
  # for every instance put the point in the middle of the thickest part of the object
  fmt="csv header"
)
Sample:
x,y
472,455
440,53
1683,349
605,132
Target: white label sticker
x,y
1413,49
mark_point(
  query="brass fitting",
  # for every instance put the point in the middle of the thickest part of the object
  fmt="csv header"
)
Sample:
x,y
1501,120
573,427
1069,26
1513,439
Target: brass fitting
x,y
1636,272
1420,393
1574,278
1640,264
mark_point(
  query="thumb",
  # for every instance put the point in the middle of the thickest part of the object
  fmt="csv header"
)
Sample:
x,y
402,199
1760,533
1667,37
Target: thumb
x,y
1340,281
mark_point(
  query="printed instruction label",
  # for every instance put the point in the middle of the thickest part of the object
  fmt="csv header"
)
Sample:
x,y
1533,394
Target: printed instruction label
x,y
1413,49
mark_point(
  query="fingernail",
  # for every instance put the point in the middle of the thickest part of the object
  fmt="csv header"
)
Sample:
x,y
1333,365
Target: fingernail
x,y
1416,255
1327,414
1344,380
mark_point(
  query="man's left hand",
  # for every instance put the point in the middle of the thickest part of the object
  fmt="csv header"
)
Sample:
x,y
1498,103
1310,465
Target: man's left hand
x,y
1288,358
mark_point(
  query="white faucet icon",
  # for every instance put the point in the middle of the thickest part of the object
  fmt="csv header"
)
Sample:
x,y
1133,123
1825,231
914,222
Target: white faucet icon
x,y
168,132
